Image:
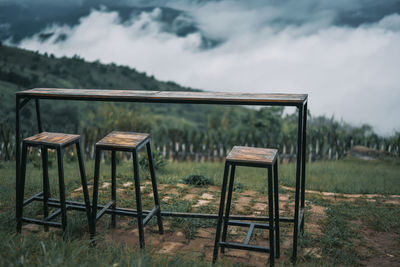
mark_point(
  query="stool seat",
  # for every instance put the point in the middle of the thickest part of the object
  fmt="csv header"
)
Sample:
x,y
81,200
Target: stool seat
x,y
123,140
51,139
243,154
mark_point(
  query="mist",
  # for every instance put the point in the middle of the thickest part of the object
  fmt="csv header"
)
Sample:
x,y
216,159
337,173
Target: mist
x,y
348,67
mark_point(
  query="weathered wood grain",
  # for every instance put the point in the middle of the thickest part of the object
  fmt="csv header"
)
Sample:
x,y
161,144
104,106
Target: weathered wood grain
x,y
51,139
127,140
164,96
244,154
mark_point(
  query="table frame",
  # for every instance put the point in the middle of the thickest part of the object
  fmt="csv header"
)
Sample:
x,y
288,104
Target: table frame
x,y
174,97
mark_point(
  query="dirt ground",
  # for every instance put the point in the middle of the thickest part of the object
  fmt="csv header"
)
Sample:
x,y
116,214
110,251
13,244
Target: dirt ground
x,y
382,248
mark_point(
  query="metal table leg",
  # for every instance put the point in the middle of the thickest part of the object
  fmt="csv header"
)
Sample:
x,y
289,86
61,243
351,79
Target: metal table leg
x,y
298,171
303,167
17,154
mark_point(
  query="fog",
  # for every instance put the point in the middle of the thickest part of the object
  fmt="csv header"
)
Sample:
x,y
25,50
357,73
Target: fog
x,y
349,68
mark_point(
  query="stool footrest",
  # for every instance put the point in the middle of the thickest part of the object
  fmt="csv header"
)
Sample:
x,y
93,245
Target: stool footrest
x,y
248,224
53,215
38,196
150,215
48,223
249,233
244,246
104,209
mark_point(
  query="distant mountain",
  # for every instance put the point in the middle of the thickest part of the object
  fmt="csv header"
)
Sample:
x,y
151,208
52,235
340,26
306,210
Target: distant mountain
x,y
19,21
23,18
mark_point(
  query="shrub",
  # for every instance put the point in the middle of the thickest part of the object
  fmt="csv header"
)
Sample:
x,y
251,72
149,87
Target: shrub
x,y
198,180
159,161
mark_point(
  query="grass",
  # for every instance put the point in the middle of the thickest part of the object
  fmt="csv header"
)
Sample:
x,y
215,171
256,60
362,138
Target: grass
x,y
345,176
340,231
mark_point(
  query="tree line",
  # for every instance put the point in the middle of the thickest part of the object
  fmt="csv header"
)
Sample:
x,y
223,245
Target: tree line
x,y
201,133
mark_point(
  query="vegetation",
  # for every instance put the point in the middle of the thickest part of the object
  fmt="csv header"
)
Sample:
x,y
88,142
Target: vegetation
x,y
338,243
197,180
183,131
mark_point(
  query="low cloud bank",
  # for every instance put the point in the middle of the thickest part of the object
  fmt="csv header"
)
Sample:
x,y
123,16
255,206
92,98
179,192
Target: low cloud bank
x,y
351,72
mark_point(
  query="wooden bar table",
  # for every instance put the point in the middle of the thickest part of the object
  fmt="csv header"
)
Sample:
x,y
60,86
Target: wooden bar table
x,y
180,97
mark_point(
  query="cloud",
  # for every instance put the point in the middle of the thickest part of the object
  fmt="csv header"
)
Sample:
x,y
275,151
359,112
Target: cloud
x,y
351,72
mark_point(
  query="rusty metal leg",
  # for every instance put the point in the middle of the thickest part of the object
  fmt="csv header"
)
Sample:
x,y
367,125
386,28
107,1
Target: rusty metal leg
x,y
138,198
154,185
46,193
228,206
220,213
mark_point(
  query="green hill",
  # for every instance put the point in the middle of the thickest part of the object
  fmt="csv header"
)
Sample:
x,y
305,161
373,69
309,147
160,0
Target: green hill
x,y
200,127
22,69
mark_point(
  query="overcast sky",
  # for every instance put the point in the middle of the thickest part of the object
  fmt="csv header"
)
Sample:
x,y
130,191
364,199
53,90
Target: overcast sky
x,y
345,54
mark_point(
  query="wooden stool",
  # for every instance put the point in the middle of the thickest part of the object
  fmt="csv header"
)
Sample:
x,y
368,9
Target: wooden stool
x,y
254,157
45,141
131,142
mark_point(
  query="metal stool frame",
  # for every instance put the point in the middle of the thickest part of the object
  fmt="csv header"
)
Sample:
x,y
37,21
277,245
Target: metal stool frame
x,y
45,196
274,247
111,207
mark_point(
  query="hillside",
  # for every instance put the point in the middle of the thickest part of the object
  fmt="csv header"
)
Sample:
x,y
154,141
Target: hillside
x,y
27,69
201,128
22,69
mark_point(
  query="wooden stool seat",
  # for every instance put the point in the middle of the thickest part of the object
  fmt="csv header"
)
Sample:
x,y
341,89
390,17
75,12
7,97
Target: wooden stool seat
x,y
51,139
243,154
122,140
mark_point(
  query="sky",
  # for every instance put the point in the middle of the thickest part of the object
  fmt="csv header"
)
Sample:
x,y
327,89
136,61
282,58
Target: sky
x,y
345,54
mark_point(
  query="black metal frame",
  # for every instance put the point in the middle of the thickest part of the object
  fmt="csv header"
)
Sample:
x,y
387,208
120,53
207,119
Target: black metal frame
x,y
273,207
298,217
111,207
45,196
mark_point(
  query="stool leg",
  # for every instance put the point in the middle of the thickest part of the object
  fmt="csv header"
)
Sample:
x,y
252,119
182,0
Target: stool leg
x,y
276,194
113,187
21,188
46,187
220,213
271,218
62,190
228,206
138,198
95,193
154,185
83,181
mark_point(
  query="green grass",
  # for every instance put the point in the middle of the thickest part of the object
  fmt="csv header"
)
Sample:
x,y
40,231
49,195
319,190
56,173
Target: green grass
x,y
337,242
344,176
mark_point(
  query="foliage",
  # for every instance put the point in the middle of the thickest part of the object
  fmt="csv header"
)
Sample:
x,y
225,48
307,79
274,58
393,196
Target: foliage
x,y
187,128
197,180
159,162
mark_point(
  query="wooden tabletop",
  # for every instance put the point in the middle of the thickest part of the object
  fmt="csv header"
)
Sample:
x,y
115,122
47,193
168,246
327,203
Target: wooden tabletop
x,y
165,96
